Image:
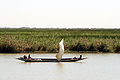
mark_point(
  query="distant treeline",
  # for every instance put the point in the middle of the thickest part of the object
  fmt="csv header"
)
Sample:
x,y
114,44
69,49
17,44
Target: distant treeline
x,y
40,40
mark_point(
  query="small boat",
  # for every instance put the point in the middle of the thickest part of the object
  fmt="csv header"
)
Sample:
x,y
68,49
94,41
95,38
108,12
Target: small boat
x,y
57,59
74,59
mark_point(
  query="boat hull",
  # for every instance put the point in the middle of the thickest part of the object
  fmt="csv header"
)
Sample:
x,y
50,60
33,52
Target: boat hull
x,y
51,60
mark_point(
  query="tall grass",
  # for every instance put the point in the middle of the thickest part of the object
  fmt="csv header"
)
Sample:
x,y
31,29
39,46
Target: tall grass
x,y
30,40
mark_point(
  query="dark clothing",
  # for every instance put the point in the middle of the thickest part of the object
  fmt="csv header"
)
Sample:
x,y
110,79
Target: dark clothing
x,y
80,56
29,56
25,57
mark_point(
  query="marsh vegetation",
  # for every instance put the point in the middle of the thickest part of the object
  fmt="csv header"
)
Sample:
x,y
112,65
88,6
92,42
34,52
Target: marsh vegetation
x,y
75,40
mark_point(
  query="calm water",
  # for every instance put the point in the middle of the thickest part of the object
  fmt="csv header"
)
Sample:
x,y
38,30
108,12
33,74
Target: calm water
x,y
96,67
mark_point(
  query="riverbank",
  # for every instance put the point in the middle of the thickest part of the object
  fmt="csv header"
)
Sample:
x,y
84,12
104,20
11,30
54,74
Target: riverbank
x,y
46,40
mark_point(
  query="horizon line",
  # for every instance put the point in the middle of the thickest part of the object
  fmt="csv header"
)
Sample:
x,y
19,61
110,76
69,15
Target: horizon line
x,y
51,28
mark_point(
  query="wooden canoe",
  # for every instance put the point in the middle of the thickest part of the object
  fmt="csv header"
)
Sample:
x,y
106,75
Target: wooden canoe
x,y
51,59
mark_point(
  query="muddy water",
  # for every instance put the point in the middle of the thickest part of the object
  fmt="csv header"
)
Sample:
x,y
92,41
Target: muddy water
x,y
96,67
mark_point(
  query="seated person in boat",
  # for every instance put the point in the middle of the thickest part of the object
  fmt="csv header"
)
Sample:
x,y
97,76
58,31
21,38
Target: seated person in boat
x,y
80,56
77,58
29,57
25,57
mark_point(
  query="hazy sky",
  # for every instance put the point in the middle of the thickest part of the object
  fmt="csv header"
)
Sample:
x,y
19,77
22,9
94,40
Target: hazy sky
x,y
60,13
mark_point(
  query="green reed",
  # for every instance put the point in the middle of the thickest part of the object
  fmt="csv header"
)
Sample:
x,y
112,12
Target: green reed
x,y
31,40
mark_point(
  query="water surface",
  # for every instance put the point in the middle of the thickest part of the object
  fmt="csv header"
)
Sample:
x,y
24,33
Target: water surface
x,y
96,67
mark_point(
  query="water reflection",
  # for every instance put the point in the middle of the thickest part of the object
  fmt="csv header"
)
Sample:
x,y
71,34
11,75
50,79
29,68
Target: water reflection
x,y
25,62
80,62
60,67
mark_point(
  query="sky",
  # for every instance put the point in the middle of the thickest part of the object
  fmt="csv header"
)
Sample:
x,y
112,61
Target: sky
x,y
60,13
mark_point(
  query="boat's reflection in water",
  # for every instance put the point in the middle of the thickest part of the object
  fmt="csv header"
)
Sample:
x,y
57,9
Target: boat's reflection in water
x,y
60,64
60,67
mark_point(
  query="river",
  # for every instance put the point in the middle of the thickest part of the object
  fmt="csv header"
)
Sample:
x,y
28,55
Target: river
x,y
96,67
